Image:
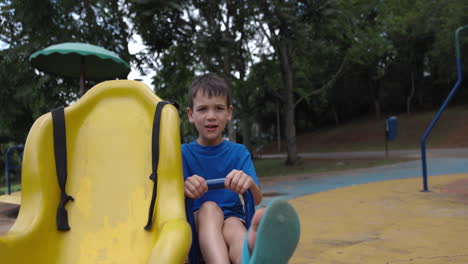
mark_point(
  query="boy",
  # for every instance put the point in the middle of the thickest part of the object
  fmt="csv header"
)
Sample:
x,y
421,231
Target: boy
x,y
219,214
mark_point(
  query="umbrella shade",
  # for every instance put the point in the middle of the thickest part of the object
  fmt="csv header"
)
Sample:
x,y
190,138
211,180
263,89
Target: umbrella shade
x,y
65,59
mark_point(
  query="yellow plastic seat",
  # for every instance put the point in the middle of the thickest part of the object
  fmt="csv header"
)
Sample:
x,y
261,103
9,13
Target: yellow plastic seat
x,y
109,132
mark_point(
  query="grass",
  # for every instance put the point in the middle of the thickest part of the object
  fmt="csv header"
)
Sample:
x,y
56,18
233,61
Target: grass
x,y
277,167
14,188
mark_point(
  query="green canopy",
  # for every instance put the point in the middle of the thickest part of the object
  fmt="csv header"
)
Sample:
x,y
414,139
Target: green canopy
x,y
81,60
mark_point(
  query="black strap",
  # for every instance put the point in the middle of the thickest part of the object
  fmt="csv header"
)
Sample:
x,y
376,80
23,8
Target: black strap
x,y
60,151
155,157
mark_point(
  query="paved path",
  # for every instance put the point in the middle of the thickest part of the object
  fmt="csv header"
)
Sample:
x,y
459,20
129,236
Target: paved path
x,y
7,216
296,187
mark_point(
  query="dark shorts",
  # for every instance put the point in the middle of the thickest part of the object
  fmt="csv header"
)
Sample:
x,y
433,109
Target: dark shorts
x,y
231,212
237,211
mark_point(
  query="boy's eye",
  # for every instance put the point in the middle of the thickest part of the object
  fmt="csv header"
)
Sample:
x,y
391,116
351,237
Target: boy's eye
x,y
201,109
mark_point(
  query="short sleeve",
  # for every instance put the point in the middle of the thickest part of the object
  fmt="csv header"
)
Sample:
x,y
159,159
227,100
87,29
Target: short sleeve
x,y
247,165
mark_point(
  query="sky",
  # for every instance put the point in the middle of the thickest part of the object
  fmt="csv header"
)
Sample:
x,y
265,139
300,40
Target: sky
x,y
134,46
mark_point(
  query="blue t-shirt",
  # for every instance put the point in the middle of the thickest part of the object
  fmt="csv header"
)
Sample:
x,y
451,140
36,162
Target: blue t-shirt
x,y
213,162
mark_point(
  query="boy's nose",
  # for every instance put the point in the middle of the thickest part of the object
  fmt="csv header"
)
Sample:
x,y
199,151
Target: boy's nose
x,y
211,115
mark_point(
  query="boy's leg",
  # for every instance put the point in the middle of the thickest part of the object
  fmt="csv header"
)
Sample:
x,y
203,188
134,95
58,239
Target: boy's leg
x,y
210,220
234,233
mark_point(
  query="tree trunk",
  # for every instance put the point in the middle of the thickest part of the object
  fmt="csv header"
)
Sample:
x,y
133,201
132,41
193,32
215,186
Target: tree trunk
x,y
335,115
420,96
410,97
278,127
231,131
378,114
288,82
246,132
376,97
227,73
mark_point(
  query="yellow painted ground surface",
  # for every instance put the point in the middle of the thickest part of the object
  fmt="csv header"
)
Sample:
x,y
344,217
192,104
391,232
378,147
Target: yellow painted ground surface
x,y
386,222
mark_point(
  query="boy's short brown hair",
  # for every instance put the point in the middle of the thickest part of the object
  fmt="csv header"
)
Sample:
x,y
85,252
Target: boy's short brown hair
x,y
210,84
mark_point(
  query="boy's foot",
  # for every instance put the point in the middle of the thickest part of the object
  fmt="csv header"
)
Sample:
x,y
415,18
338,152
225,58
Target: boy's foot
x,y
252,235
273,234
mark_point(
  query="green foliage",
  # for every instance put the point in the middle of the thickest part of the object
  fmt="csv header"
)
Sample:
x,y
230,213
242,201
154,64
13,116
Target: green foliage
x,y
342,56
171,83
192,37
29,25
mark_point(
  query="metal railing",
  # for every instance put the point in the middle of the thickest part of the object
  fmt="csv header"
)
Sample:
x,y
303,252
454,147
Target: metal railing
x,y
442,108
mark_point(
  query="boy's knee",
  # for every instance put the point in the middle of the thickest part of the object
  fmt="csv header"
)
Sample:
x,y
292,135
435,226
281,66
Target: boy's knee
x,y
210,208
233,226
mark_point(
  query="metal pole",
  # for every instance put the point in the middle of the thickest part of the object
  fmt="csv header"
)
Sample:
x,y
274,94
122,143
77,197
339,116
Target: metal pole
x,y
8,167
386,138
386,148
442,108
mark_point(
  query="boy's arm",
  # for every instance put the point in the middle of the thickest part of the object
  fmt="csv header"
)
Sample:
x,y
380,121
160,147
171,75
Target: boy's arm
x,y
239,182
256,192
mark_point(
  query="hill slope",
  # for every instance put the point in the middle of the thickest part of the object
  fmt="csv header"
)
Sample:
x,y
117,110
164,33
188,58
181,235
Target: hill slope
x,y
451,131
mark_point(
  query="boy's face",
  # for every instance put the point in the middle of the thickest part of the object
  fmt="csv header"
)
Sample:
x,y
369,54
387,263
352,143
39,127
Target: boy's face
x,y
209,115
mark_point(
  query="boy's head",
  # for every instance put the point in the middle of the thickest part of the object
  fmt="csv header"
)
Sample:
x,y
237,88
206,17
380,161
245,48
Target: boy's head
x,y
209,108
211,85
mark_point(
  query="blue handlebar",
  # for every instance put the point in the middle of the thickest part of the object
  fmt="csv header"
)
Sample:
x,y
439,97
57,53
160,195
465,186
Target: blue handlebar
x,y
216,184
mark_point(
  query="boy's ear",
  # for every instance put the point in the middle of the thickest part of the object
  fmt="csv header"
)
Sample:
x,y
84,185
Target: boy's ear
x,y
189,115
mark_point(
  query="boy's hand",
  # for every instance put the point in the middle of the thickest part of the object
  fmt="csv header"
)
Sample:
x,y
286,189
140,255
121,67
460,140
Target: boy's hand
x,y
238,181
195,186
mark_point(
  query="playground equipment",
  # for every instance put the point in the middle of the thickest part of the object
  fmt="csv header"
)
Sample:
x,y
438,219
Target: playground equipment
x,y
391,125
249,209
442,108
9,167
109,159
80,60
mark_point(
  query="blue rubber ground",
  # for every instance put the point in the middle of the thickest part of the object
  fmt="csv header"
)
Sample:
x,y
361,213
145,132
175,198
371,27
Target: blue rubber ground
x,y
333,180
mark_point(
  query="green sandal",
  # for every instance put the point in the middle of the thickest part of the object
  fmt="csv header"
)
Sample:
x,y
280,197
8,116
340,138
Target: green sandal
x,y
277,235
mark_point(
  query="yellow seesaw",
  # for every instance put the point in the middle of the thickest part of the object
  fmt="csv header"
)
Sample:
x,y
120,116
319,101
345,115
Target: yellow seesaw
x,y
109,160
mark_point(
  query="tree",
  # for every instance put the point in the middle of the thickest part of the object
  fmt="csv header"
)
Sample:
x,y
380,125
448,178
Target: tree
x,y
278,21
195,36
27,26
298,31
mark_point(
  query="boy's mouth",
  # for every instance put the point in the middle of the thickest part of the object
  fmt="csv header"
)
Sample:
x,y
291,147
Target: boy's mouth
x,y
211,128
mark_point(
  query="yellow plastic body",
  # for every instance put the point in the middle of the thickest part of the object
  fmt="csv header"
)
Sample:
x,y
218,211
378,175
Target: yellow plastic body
x,y
109,133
